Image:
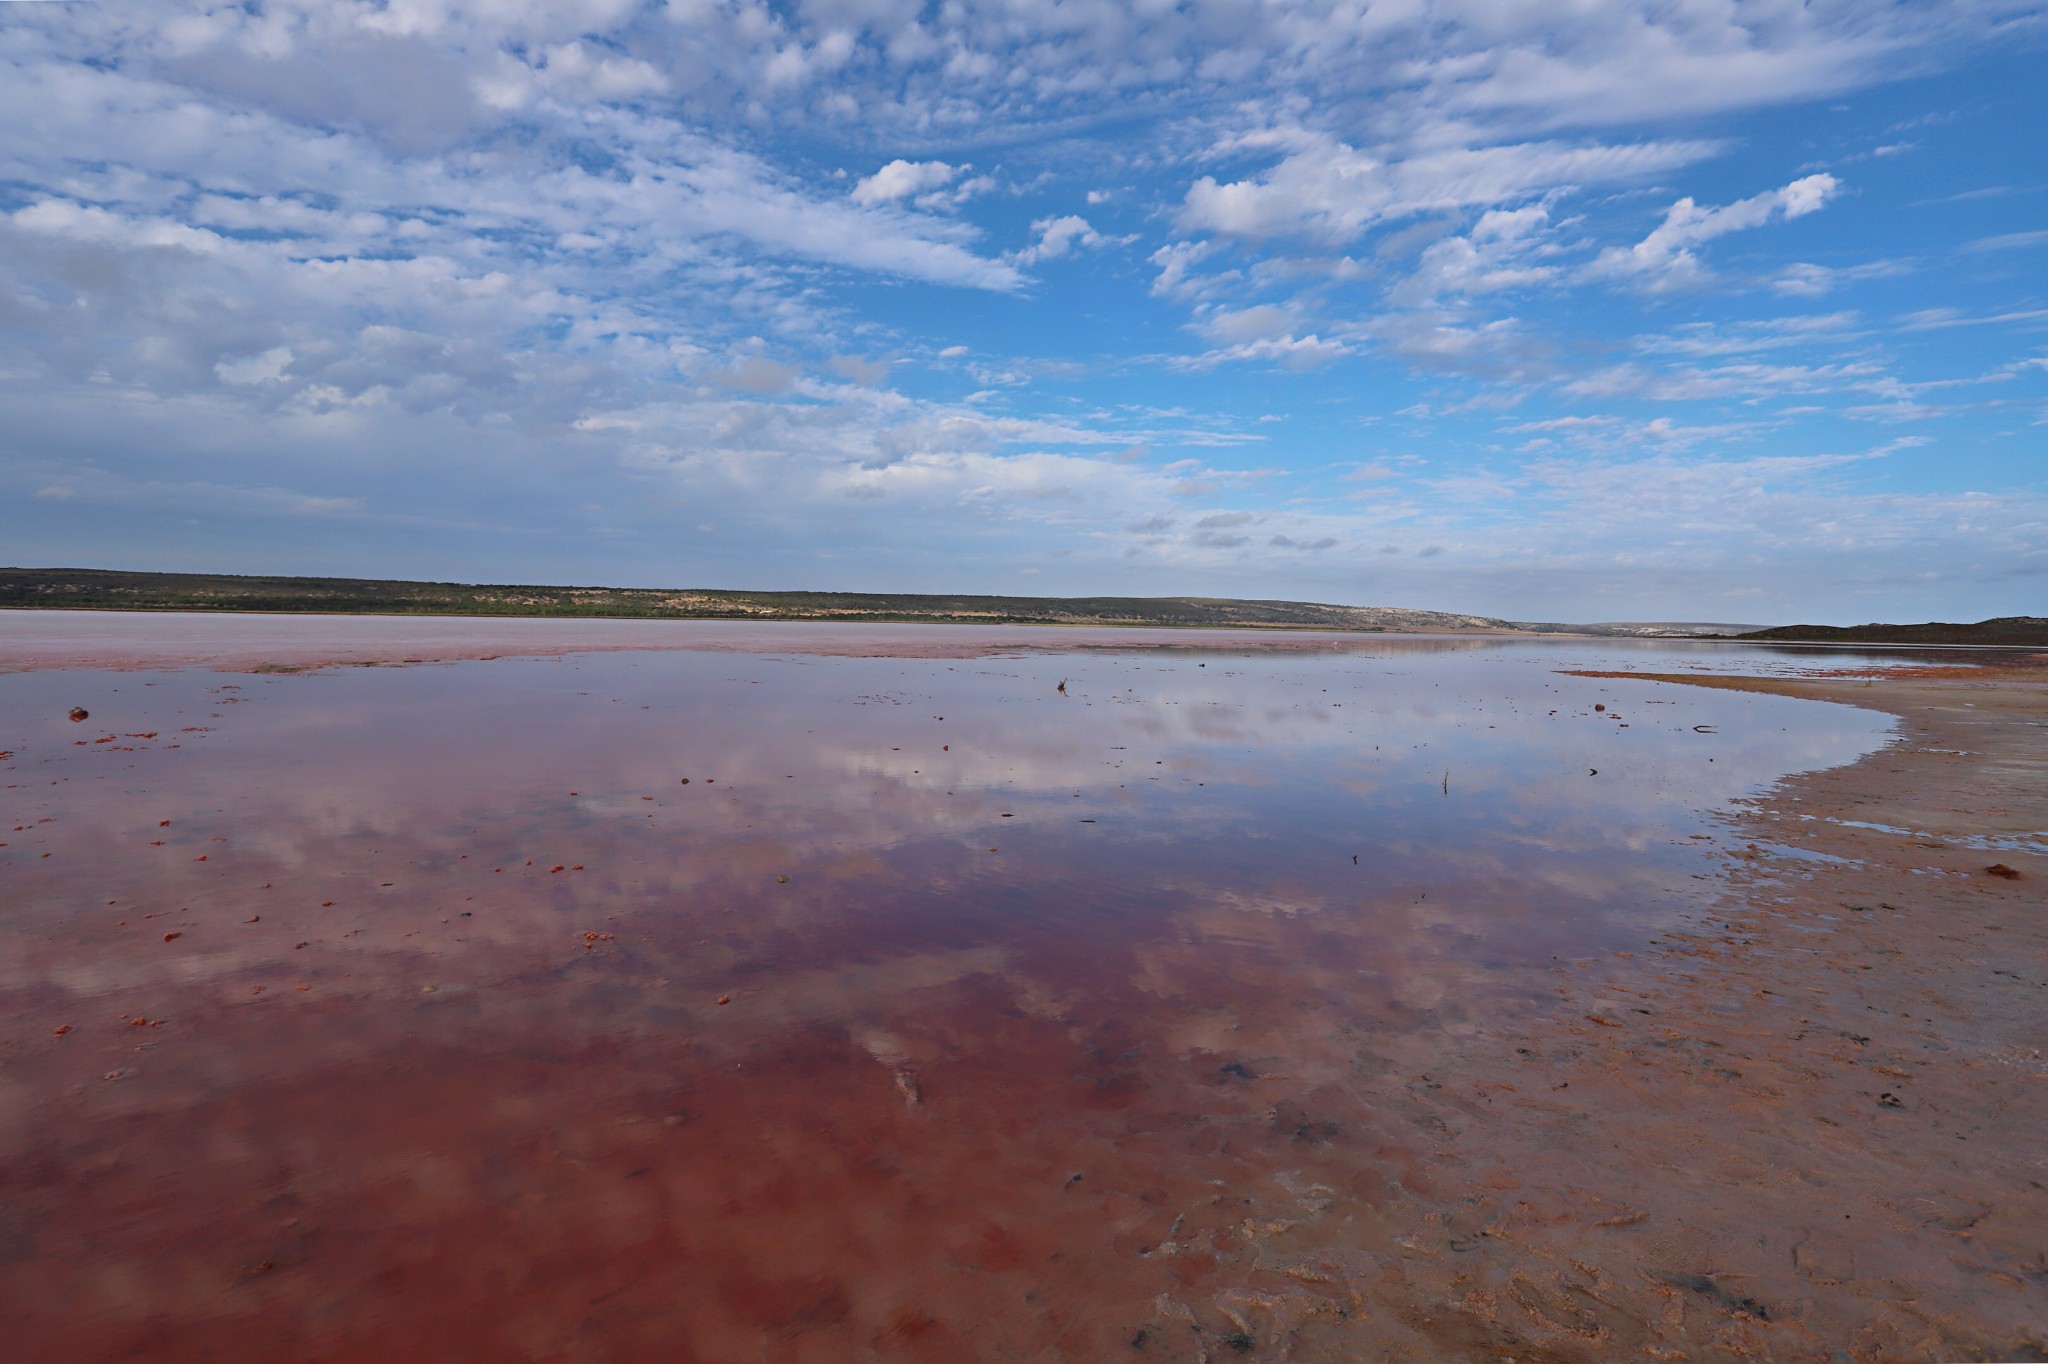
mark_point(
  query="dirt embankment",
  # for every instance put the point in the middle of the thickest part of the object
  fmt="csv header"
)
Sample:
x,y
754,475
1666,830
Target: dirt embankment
x,y
1808,1127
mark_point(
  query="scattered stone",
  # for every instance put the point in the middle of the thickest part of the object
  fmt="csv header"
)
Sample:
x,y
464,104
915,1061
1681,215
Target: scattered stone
x,y
1707,1288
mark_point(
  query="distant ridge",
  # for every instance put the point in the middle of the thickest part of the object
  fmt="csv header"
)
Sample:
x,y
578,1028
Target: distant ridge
x,y
109,590
2022,630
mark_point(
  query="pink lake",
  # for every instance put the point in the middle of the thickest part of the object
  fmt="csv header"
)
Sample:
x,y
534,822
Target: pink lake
x,y
758,1000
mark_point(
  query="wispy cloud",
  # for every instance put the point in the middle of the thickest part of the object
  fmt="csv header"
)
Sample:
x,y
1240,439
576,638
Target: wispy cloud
x,y
2009,241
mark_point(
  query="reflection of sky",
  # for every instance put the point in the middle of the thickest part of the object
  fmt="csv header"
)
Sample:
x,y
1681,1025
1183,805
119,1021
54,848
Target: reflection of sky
x,y
469,983
1479,775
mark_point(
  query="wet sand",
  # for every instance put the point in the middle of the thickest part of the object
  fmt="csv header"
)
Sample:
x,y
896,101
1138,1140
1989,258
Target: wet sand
x,y
1808,1127
1764,1085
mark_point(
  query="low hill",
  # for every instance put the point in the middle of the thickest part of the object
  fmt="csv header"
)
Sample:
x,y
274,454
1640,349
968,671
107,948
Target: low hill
x,y
2007,630
107,590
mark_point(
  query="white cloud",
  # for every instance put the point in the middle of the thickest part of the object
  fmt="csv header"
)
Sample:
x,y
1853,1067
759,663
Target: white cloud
x,y
1699,339
1744,381
1609,434
2010,241
1664,258
1176,262
267,368
1263,322
903,180
859,370
1494,255
1058,236
1289,352
1330,192
757,374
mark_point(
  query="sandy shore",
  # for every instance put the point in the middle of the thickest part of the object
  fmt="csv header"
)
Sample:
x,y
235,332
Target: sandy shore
x,y
1808,1128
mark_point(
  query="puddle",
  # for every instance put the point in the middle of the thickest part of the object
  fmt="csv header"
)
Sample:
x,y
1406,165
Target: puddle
x,y
2026,842
711,1005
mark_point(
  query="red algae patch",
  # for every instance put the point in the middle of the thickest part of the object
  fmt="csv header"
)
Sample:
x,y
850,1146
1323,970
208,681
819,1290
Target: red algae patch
x,y
1317,1007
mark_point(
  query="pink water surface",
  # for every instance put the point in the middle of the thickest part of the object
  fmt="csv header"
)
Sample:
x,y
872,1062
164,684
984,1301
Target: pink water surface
x,y
773,1006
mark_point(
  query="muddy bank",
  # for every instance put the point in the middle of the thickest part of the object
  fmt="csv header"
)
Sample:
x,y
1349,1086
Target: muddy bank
x,y
1806,1127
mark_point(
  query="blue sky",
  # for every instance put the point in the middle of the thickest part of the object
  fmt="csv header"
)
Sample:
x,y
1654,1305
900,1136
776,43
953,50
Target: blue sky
x,y
1700,309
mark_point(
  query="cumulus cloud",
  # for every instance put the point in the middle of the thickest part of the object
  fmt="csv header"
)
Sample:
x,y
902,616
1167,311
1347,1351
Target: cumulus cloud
x,y
1495,255
1059,236
903,180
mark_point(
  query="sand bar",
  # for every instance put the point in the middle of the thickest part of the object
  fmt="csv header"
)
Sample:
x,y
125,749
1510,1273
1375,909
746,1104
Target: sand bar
x,y
236,641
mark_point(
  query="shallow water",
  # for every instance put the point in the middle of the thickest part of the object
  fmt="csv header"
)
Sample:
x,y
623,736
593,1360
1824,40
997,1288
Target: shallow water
x,y
431,1013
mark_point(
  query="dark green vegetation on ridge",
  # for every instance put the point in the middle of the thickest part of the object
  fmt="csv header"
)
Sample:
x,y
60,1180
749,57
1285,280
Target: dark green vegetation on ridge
x,y
96,589
108,590
2008,630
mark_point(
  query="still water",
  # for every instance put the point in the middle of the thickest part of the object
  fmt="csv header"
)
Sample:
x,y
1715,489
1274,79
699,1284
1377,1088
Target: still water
x,y
718,1006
